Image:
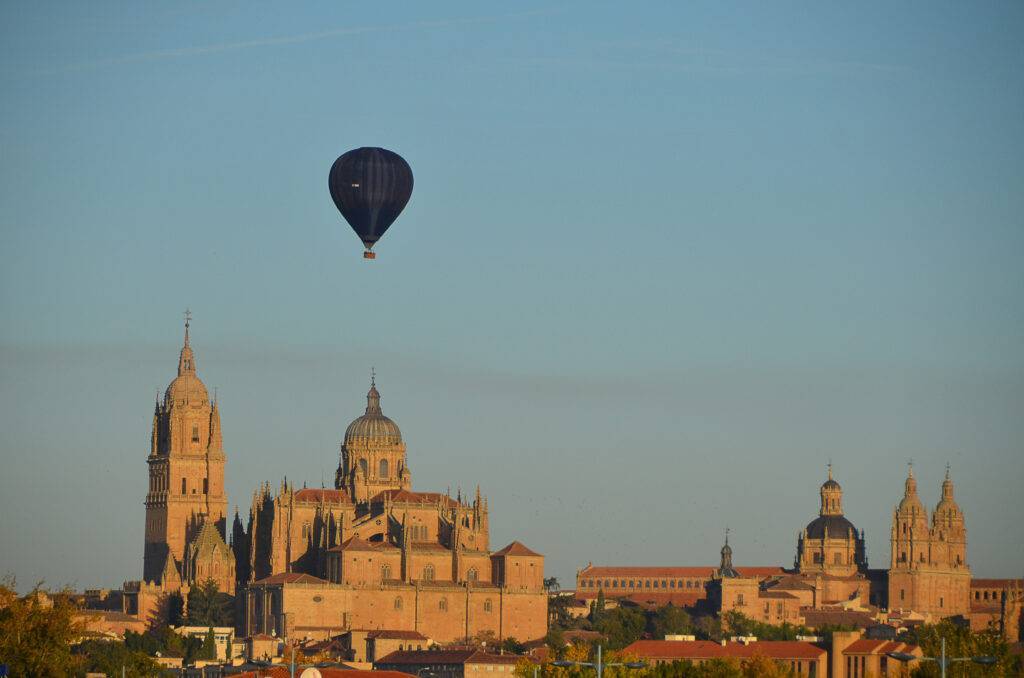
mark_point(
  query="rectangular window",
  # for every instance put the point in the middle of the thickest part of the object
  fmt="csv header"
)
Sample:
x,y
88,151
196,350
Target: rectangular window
x,y
183,486
206,486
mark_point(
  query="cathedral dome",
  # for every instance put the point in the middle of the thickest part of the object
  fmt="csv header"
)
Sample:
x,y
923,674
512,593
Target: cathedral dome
x,y
838,527
373,426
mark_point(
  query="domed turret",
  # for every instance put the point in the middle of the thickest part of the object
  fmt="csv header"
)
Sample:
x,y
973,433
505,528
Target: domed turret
x,y
373,426
725,568
187,387
372,453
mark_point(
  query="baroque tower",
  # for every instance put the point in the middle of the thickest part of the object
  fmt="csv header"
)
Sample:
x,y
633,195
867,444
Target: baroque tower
x,y
928,570
186,473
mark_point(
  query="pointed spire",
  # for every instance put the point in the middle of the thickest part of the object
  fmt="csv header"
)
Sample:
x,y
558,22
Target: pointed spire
x,y
186,361
830,469
373,395
188,321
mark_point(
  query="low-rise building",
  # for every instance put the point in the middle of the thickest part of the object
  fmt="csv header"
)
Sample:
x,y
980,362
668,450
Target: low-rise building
x,y
803,659
449,663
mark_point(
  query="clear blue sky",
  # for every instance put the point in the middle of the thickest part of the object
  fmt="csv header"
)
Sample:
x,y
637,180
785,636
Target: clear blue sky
x,y
661,263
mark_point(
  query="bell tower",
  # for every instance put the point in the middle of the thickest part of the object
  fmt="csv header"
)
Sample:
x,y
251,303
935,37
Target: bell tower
x,y
186,469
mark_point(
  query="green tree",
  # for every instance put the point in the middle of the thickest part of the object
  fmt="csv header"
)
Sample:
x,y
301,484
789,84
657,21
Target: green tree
x,y
621,626
555,641
207,606
209,648
104,656
36,632
551,585
512,646
960,642
668,620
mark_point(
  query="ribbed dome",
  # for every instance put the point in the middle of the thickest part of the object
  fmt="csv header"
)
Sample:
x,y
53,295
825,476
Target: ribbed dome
x,y
373,426
187,387
838,527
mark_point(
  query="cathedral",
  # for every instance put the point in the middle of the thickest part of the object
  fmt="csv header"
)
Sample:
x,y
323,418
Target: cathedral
x,y
369,553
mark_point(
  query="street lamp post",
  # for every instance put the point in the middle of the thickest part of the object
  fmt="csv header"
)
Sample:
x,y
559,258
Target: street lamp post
x,y
942,660
599,665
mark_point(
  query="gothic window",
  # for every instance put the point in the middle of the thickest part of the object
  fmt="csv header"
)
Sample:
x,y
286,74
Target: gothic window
x,y
472,575
385,572
487,605
428,573
442,605
398,603
383,468
195,433
363,467
183,486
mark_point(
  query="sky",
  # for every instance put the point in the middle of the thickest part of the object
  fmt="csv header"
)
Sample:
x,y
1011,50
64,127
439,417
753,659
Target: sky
x,y
662,263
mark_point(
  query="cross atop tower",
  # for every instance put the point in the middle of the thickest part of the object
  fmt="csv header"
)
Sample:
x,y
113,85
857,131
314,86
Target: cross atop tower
x,y
373,376
188,321
830,468
726,536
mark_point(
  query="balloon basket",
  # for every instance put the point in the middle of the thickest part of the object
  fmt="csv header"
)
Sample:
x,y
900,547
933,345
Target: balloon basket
x,y
369,255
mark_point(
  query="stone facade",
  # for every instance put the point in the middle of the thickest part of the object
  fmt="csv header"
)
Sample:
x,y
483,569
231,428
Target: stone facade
x,y
928,571
186,486
372,553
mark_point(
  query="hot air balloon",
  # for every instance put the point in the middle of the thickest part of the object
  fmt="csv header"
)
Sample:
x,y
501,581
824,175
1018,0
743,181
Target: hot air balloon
x,y
370,187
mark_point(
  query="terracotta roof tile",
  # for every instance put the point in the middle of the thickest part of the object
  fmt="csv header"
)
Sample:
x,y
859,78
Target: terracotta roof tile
x,y
396,634
600,571
309,494
290,578
706,649
864,646
468,656
516,549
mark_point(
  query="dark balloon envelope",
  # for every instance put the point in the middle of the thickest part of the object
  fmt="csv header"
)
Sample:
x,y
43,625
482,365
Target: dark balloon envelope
x,y
370,187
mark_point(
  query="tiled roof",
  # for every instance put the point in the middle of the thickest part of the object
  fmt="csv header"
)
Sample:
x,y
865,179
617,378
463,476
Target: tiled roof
x,y
356,544
815,618
309,494
662,599
469,656
326,672
864,646
596,571
396,635
706,649
775,594
410,497
516,549
996,583
291,578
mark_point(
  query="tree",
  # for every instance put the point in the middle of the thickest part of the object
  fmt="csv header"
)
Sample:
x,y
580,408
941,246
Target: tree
x,y
669,620
621,626
104,656
551,585
512,646
209,648
555,641
36,632
207,606
960,642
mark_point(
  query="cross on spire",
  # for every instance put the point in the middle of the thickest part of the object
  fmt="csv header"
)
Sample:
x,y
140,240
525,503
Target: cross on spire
x,y
830,468
373,376
188,321
727,536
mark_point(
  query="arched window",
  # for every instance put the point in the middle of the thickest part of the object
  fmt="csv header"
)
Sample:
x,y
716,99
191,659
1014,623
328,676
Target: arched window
x,y
183,486
305,530
487,605
428,573
385,572
195,433
647,583
363,467
442,605
383,468
398,603
689,584
472,575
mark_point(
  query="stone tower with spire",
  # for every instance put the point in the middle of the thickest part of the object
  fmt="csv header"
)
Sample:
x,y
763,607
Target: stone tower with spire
x,y
186,471
830,544
928,570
